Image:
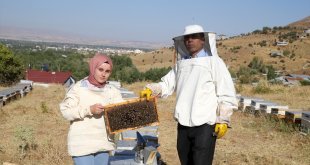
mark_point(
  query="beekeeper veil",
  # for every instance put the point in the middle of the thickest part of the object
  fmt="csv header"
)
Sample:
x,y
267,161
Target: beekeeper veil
x,y
209,46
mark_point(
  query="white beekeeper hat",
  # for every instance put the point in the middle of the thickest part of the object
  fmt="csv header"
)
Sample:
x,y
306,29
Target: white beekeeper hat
x,y
191,29
210,41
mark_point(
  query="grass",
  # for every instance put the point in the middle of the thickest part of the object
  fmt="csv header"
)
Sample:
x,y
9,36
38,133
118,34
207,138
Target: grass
x,y
251,140
32,135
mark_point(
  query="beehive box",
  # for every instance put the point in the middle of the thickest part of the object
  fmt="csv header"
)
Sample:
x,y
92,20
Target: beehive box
x,y
278,113
245,103
305,122
293,117
131,114
150,132
305,126
305,115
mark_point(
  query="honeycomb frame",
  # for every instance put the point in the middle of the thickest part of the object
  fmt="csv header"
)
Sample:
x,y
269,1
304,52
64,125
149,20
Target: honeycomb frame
x,y
131,114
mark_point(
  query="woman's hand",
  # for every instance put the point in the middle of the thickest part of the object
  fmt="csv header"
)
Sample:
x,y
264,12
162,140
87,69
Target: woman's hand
x,y
96,109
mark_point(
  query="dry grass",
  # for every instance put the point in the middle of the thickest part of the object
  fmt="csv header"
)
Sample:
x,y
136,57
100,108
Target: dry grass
x,y
250,141
156,59
260,141
34,123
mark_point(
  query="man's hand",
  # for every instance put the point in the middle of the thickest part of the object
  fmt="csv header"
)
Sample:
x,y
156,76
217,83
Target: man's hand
x,y
220,130
146,93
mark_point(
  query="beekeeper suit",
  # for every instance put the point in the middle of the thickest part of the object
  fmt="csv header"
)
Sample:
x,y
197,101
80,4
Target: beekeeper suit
x,y
205,94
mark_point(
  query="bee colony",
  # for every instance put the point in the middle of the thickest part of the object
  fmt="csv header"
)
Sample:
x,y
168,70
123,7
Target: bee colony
x,y
132,114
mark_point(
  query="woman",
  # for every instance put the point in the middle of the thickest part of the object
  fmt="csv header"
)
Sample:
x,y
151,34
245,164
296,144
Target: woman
x,y
83,106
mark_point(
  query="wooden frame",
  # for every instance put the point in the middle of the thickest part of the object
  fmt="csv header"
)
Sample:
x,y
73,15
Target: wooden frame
x,y
131,114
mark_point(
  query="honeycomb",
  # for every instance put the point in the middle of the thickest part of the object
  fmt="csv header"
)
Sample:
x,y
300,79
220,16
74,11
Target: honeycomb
x,y
131,115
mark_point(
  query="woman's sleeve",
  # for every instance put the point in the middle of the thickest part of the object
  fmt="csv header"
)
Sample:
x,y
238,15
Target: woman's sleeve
x,y
70,107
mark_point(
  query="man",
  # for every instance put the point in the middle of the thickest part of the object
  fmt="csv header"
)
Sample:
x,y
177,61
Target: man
x,y
205,95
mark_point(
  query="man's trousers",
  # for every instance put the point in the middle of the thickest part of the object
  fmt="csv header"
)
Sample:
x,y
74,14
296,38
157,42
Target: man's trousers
x,y
196,145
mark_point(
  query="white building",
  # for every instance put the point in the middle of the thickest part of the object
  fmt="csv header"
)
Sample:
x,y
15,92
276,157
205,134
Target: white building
x,y
282,43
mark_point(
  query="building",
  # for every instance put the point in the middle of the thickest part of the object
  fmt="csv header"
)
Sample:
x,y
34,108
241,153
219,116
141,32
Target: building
x,y
221,37
46,77
292,79
282,43
276,53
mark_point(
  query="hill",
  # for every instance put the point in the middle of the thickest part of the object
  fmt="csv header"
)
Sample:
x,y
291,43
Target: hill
x,y
155,59
239,50
39,35
304,23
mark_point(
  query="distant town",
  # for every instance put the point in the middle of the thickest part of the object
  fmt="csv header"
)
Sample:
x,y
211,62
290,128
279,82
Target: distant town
x,y
79,48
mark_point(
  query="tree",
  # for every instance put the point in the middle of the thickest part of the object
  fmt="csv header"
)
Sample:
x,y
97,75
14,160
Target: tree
x,y
11,69
271,73
54,61
127,74
155,74
266,30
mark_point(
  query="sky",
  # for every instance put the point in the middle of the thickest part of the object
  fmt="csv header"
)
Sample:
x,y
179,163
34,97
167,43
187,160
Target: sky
x,y
146,20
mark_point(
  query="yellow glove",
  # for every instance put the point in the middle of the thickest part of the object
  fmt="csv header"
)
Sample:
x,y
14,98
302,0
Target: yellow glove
x,y
146,93
220,130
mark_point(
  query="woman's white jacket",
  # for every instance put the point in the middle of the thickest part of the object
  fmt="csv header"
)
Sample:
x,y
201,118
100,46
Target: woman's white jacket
x,y
87,133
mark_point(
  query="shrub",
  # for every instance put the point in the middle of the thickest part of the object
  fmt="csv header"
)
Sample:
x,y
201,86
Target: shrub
x,y
262,43
44,107
256,63
262,87
286,53
244,75
24,137
304,82
235,49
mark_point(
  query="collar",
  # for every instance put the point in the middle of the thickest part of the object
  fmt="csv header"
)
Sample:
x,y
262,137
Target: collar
x,y
201,53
